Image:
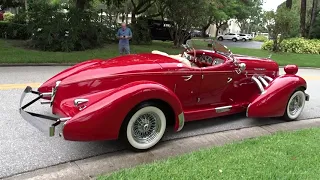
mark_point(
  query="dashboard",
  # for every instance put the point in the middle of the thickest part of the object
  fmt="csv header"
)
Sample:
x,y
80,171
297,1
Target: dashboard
x,y
210,60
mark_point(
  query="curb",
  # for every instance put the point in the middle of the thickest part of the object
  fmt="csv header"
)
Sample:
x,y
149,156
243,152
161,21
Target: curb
x,y
104,164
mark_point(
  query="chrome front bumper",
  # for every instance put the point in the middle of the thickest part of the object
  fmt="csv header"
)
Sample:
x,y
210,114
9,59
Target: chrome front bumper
x,y
44,123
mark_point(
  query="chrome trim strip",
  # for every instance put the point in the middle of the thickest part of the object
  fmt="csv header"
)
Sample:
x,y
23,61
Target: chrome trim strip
x,y
258,83
248,109
181,121
223,109
264,82
80,101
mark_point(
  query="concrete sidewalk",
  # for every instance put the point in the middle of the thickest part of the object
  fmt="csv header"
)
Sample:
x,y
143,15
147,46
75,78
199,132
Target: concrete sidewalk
x,y
91,167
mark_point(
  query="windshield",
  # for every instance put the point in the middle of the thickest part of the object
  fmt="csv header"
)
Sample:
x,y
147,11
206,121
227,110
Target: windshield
x,y
209,44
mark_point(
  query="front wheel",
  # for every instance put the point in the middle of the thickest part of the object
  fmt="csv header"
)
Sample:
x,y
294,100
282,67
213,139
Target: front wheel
x,y
234,40
220,38
144,127
295,105
244,40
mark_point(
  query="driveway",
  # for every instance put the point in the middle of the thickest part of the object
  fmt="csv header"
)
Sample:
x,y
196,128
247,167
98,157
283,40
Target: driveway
x,y
247,44
23,148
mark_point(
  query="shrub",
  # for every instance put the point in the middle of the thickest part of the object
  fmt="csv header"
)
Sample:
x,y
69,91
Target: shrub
x,y
14,31
141,32
296,45
260,38
8,16
75,30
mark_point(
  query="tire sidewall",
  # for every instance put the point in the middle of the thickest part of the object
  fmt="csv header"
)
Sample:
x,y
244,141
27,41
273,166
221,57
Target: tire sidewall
x,y
131,118
288,116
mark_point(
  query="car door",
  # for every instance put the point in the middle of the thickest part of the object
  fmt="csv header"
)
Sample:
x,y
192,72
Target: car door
x,y
216,84
186,85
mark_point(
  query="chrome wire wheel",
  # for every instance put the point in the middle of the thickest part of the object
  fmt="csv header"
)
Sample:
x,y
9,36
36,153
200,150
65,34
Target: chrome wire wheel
x,y
295,105
146,127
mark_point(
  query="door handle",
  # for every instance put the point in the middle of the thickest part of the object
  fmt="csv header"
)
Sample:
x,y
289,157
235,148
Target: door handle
x,y
187,78
229,80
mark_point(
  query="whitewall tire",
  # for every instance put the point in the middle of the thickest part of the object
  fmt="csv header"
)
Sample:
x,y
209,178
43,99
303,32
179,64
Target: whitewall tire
x,y
144,127
295,105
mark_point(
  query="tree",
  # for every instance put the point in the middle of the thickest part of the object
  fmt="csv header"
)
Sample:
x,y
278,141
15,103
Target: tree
x,y
314,13
278,23
184,14
139,7
303,12
289,4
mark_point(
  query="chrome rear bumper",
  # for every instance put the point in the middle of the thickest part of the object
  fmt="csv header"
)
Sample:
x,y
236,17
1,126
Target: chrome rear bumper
x,y
43,123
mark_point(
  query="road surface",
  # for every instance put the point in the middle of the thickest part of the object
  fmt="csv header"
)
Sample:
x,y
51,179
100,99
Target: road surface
x,y
23,148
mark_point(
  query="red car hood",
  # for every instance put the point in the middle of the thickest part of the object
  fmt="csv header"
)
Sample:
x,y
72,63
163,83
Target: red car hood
x,y
98,68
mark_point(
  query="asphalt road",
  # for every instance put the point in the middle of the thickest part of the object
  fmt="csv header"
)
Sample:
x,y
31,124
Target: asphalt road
x,y
23,148
247,44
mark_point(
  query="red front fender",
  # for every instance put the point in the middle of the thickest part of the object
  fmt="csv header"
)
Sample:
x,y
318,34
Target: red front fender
x,y
273,102
103,119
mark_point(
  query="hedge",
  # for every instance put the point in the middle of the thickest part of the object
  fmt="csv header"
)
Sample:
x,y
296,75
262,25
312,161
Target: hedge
x,y
11,30
296,45
260,38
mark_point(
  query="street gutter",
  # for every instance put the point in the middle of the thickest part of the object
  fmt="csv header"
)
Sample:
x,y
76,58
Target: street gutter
x,y
104,164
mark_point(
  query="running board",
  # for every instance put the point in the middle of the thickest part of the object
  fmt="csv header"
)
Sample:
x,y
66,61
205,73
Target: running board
x,y
223,109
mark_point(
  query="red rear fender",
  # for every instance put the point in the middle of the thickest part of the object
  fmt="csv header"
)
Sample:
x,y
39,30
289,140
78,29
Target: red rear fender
x,y
102,120
273,101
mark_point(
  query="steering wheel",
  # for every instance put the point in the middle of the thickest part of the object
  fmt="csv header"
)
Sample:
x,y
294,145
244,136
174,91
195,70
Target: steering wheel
x,y
185,53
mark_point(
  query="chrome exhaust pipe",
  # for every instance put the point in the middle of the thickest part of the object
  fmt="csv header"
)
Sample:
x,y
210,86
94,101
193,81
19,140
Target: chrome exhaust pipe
x,y
264,82
258,83
268,78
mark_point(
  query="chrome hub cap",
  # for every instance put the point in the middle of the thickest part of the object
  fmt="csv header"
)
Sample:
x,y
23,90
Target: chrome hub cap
x,y
295,105
146,127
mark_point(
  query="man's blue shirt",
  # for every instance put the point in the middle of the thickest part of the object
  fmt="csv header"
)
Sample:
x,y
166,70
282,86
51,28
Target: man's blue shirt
x,y
126,32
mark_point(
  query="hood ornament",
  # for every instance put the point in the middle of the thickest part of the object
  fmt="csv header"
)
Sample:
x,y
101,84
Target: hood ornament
x,y
270,56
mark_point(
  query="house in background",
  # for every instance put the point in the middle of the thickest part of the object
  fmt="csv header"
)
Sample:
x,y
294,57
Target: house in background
x,y
233,27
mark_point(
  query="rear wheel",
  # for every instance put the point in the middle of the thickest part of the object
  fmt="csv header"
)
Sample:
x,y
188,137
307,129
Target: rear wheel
x,y
220,38
244,40
295,105
234,40
144,127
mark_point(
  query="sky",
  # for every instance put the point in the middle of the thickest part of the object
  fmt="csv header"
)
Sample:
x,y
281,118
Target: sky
x,y
271,4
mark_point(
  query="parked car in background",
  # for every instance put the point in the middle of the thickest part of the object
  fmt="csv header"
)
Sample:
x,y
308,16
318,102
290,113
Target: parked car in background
x,y
160,30
250,36
229,36
245,37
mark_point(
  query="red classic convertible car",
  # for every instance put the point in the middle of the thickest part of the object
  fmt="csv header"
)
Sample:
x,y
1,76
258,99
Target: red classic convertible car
x,y
135,97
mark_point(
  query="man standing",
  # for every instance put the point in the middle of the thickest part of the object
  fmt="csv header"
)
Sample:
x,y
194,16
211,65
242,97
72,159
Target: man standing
x,y
124,35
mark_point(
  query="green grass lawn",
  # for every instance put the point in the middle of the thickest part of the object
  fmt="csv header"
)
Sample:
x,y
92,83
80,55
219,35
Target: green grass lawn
x,y
10,53
290,155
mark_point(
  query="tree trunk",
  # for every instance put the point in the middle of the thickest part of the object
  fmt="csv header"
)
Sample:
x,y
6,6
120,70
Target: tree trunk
x,y
275,44
289,4
80,4
303,18
133,16
313,16
204,29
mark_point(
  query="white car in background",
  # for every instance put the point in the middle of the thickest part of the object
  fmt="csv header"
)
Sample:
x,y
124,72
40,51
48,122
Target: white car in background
x,y
245,37
229,36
